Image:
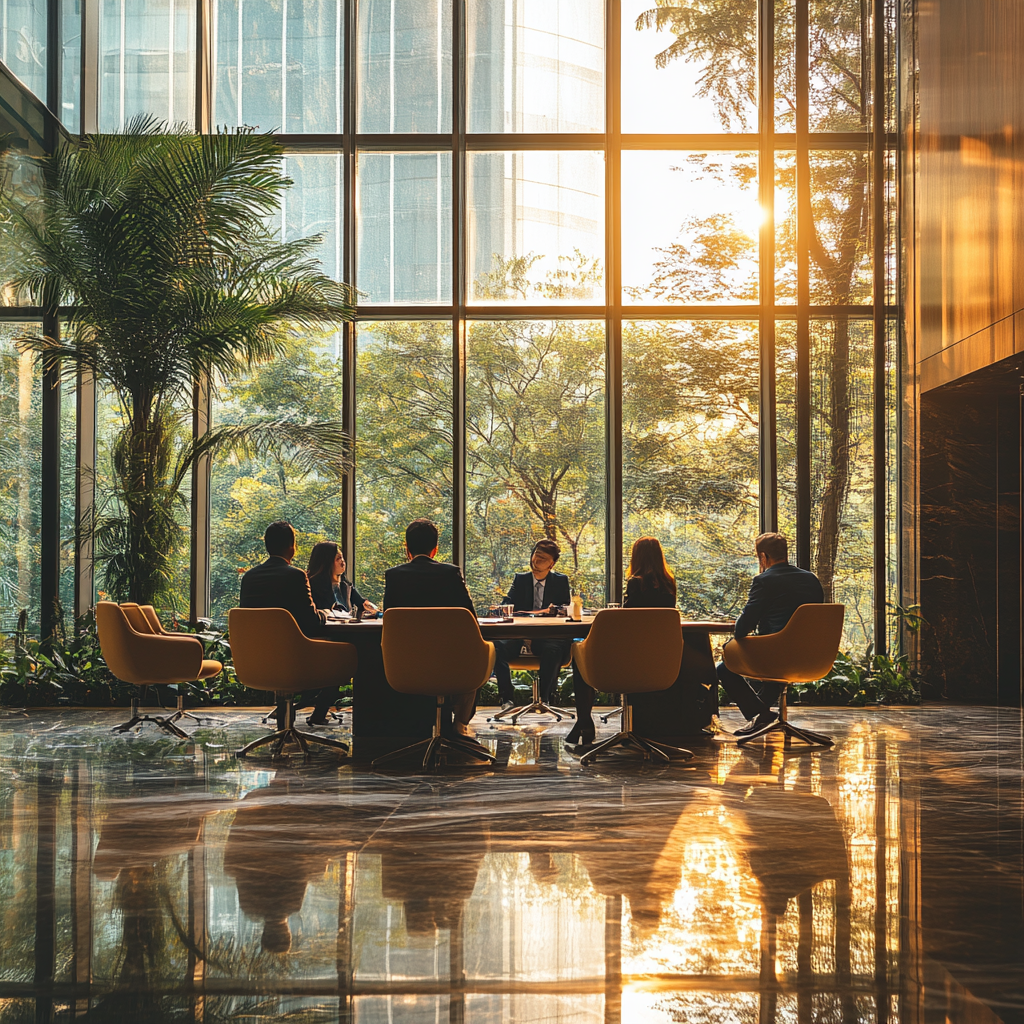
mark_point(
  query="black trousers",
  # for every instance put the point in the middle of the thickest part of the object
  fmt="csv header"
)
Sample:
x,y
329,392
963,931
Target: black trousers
x,y
551,654
750,700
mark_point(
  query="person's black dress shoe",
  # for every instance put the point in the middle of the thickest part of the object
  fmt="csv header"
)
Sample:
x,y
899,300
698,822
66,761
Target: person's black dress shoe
x,y
762,721
317,718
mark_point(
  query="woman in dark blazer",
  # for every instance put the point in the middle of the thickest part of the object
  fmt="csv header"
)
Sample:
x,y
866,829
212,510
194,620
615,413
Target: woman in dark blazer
x,y
327,583
650,585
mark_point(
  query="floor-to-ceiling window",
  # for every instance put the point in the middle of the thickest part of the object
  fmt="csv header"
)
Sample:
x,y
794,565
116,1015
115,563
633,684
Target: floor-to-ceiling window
x,y
620,265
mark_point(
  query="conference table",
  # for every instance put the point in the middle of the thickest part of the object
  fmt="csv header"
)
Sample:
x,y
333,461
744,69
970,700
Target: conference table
x,y
682,710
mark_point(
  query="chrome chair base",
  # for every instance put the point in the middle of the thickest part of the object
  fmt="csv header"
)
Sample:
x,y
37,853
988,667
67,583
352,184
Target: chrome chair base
x,y
612,713
289,734
435,748
535,707
167,724
651,750
788,730
182,713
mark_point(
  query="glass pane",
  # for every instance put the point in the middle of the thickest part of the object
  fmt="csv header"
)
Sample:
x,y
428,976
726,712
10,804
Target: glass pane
x,y
23,180
689,67
405,227
405,66
785,228
111,513
535,451
249,490
841,197
839,35
23,47
536,227
404,452
279,65
785,65
699,242
147,61
690,454
70,63
313,206
21,398
68,466
842,484
535,66
785,427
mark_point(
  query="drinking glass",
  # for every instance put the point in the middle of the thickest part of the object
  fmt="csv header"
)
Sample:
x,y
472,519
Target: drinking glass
x,y
508,612
613,604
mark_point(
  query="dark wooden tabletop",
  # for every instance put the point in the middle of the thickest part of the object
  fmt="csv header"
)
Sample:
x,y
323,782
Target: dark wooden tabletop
x,y
528,627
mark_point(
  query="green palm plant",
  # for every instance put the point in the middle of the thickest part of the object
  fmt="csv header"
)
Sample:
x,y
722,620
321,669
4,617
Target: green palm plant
x,y
155,246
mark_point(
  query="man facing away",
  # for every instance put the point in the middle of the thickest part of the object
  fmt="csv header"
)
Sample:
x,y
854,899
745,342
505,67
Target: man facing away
x,y
276,583
536,590
775,593
422,582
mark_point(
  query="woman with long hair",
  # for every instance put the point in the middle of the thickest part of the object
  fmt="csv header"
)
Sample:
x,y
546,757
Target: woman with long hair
x,y
650,585
327,583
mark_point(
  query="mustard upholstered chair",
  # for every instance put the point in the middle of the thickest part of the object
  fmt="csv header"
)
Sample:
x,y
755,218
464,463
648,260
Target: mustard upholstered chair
x,y
144,619
632,650
804,651
271,653
527,663
144,659
437,652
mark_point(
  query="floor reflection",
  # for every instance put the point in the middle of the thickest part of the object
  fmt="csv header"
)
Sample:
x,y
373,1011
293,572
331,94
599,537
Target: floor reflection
x,y
141,882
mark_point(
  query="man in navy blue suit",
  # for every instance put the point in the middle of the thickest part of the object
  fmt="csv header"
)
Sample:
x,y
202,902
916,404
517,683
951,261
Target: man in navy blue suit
x,y
775,593
536,590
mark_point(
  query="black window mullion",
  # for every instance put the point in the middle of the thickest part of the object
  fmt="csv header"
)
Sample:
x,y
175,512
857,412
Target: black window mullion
x,y
768,428
803,327
349,353
613,301
878,226
459,243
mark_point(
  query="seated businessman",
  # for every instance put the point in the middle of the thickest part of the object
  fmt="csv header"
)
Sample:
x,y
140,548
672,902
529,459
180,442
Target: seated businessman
x,y
775,593
423,582
276,583
536,590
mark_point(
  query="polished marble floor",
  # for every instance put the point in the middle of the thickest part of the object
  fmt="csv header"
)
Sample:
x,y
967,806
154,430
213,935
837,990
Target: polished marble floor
x,y
882,881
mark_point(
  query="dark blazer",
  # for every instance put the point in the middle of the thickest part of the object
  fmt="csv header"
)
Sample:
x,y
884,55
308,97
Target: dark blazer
x,y
556,591
424,583
774,595
276,584
639,596
326,595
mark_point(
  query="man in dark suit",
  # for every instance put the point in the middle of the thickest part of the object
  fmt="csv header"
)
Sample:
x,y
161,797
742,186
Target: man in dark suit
x,y
536,590
276,583
422,582
775,593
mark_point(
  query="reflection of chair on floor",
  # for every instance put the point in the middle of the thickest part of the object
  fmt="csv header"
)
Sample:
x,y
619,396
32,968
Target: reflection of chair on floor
x,y
271,653
282,837
137,833
144,659
631,650
431,871
804,651
528,663
793,842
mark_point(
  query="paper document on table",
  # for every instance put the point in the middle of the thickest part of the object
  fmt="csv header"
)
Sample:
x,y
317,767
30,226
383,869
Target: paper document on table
x,y
489,622
337,613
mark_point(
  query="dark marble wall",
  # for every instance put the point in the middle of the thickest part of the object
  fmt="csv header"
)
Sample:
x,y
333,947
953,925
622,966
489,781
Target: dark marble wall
x,y
970,539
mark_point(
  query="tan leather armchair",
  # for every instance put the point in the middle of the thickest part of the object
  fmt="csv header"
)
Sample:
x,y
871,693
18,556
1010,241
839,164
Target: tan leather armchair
x,y
632,650
144,619
144,659
437,652
804,651
271,653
